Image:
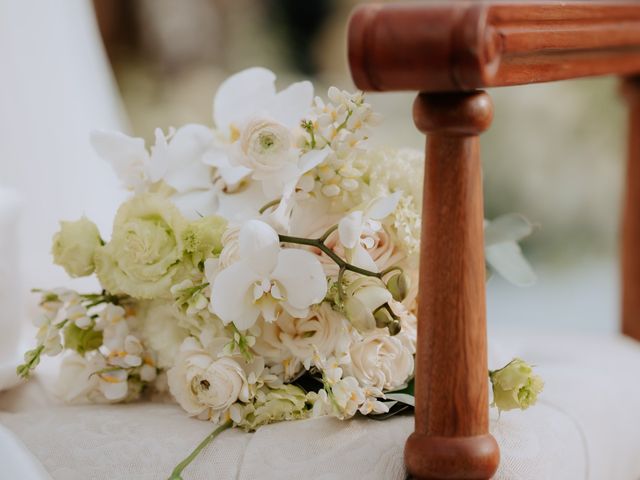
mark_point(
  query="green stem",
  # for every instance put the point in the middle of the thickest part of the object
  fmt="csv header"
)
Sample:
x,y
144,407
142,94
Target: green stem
x,y
341,293
326,234
176,474
391,269
317,242
272,203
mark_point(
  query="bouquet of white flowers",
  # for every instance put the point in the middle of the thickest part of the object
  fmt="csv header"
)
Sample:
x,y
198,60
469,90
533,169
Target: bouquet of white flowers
x,y
262,270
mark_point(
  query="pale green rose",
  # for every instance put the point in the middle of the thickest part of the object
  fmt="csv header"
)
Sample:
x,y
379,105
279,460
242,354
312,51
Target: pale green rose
x,y
202,238
145,250
284,403
74,247
515,386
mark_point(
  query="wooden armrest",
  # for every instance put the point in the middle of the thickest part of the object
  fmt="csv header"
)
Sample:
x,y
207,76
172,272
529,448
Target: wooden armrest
x,y
468,45
446,52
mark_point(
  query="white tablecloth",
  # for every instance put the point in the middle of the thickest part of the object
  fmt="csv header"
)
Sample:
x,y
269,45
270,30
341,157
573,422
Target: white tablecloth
x,y
584,427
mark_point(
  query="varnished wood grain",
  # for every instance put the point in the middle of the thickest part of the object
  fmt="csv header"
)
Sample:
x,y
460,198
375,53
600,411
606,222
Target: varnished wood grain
x,y
468,45
451,418
630,254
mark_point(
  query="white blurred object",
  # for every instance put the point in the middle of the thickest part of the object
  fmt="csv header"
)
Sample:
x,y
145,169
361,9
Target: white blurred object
x,y
56,86
17,461
10,287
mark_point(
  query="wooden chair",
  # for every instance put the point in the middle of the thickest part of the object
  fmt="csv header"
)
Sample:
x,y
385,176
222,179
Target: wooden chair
x,y
448,52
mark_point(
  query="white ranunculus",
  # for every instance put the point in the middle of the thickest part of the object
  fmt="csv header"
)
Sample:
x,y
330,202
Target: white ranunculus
x,y
256,126
266,277
162,331
204,384
266,147
380,361
356,229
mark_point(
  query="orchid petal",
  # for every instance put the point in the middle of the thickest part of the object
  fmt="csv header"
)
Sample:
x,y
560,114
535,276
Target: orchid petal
x,y
383,206
361,258
185,169
301,276
230,295
127,155
159,158
259,246
312,159
373,297
196,204
231,175
241,95
506,258
506,228
292,104
350,229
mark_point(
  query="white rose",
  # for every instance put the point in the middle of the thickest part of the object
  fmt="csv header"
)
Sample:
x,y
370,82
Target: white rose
x,y
201,383
265,147
162,331
295,341
380,361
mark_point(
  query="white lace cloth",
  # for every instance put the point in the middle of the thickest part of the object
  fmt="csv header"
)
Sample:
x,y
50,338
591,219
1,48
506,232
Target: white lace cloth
x,y
585,427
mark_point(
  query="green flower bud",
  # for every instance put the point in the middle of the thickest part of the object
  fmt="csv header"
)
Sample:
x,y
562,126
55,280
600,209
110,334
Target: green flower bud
x,y
75,338
515,386
203,238
74,247
359,315
394,327
382,317
398,285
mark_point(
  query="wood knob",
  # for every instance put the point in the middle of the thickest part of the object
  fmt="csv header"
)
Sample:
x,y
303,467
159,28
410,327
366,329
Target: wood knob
x,y
453,113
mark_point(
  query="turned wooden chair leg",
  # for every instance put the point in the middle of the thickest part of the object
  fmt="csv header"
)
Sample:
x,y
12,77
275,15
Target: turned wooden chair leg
x,y
631,218
451,438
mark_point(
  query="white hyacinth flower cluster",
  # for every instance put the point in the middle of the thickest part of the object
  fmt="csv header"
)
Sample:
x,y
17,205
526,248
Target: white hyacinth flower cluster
x,y
263,269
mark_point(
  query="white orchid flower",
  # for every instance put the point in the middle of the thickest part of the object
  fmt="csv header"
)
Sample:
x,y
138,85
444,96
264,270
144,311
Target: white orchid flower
x,y
265,277
256,124
356,228
502,252
176,160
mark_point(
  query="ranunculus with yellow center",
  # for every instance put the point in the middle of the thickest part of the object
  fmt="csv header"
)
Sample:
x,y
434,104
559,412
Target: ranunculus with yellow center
x,y
74,247
145,249
515,386
206,385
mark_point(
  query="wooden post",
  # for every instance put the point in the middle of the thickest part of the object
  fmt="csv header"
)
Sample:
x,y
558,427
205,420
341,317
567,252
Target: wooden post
x,y
451,438
630,255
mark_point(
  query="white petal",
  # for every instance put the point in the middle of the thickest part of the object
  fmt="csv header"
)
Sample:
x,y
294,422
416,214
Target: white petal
x,y
241,95
301,276
312,159
506,258
127,155
350,229
159,161
373,297
185,168
292,104
506,228
197,203
229,294
231,175
259,246
361,258
383,206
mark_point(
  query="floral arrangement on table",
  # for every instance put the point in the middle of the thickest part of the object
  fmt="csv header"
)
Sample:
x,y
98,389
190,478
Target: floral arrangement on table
x,y
262,270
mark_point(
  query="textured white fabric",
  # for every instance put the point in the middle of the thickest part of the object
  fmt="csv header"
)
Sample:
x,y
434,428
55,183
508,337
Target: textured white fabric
x,y
584,427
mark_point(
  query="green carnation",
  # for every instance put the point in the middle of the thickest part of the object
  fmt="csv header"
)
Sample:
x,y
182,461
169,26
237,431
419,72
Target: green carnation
x,y
203,238
287,402
515,386
74,247
145,250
